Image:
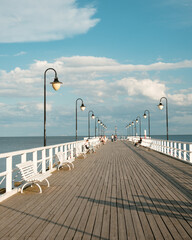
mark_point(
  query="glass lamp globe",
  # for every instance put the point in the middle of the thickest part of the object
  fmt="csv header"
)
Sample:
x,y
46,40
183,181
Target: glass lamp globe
x,y
98,121
82,107
56,84
137,121
160,106
144,115
93,116
132,123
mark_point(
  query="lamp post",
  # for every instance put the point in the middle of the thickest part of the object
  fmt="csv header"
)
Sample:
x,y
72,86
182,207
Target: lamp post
x,y
130,125
56,85
96,121
82,107
139,124
101,128
92,116
160,106
134,123
127,130
145,116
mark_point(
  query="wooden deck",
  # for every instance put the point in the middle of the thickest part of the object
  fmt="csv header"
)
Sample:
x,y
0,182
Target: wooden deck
x,y
121,192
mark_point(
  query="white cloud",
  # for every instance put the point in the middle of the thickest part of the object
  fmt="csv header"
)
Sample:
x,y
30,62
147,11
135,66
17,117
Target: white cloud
x,y
43,20
145,87
20,54
91,76
181,99
98,64
40,107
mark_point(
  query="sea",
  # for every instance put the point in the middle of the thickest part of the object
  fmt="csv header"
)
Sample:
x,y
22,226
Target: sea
x,y
10,144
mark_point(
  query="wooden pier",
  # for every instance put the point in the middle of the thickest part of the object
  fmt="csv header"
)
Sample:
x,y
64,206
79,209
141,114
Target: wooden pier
x,y
120,192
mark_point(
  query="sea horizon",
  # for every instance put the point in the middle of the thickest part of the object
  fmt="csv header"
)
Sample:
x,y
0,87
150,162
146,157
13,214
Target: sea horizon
x,y
16,143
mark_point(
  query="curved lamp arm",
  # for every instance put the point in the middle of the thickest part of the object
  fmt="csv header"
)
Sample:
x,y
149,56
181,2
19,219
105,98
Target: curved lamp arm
x,y
139,124
160,106
145,116
93,116
56,85
82,108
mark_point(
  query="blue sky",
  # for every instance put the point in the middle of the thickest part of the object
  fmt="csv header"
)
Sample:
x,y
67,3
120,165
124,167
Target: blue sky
x,y
121,57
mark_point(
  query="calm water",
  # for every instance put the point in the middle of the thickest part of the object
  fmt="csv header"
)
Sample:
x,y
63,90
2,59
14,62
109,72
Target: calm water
x,y
10,144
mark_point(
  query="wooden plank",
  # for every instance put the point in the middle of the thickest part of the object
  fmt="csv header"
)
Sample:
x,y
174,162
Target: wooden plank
x,y
121,192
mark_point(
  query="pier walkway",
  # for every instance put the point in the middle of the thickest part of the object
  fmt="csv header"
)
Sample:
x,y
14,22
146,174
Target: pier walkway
x,y
120,192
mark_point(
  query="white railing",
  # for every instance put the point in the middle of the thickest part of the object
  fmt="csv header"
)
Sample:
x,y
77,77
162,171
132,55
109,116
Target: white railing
x,y
180,150
43,159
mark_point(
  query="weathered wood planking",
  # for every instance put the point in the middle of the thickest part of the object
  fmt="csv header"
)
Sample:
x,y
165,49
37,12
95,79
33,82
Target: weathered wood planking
x,y
121,192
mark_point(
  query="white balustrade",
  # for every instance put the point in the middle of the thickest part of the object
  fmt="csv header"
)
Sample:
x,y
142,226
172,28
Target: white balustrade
x,y
43,159
180,150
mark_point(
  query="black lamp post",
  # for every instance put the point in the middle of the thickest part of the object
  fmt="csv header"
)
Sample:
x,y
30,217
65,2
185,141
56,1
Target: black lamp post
x,y
92,116
145,116
160,106
139,124
82,107
56,85
134,123
96,121
130,125
101,129
127,129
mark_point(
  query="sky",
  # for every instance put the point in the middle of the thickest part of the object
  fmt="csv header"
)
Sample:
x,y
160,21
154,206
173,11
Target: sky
x,y
120,57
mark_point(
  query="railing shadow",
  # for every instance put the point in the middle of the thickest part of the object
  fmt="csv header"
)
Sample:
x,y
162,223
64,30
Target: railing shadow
x,y
53,222
185,191
157,209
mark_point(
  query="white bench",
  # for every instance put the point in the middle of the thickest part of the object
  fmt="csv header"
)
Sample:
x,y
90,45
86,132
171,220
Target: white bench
x,y
60,156
30,176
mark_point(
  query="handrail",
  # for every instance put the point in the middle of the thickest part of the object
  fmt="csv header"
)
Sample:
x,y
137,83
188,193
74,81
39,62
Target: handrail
x,y
42,157
176,149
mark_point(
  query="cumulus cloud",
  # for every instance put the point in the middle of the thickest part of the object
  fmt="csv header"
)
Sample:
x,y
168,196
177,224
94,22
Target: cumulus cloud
x,y
145,87
43,20
91,76
181,99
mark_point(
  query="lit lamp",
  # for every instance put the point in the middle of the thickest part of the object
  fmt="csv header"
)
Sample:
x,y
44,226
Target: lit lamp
x,y
160,106
82,107
139,124
135,126
92,116
56,85
96,121
127,129
145,116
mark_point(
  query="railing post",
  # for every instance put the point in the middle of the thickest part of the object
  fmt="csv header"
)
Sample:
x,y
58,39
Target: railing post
x,y
171,146
175,149
179,147
168,149
65,151
23,157
43,161
165,147
9,174
190,153
72,148
184,152
50,158
35,161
